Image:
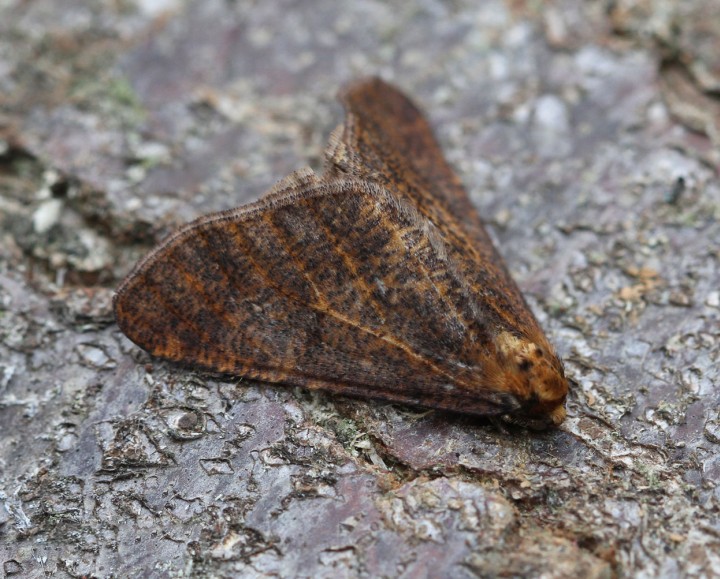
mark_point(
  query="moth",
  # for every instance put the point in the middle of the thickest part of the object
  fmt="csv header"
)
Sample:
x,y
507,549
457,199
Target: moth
x,y
375,279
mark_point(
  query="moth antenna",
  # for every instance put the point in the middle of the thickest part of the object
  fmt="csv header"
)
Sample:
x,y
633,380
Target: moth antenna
x,y
337,156
303,178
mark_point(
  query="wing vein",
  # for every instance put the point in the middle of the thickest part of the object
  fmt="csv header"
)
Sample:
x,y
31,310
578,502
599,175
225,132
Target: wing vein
x,y
347,321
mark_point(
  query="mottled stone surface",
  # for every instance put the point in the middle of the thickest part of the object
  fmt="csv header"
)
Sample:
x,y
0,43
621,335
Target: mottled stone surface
x,y
587,139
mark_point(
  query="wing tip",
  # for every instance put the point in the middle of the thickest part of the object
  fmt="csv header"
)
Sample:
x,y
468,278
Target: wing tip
x,y
366,87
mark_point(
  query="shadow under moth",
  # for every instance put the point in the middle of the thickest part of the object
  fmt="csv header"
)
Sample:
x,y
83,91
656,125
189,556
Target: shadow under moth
x,y
375,279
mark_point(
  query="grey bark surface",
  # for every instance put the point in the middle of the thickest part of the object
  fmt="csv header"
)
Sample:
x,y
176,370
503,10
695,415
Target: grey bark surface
x,y
588,134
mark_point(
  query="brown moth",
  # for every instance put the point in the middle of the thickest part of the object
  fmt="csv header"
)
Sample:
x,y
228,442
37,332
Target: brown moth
x,y
375,279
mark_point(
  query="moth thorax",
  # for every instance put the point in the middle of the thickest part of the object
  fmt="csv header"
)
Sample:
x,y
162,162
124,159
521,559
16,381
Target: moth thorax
x,y
536,375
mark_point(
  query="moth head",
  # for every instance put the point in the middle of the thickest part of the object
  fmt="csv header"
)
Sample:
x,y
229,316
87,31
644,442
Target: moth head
x,y
531,370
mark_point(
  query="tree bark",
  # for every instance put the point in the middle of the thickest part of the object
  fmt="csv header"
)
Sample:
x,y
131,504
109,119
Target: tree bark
x,y
588,137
